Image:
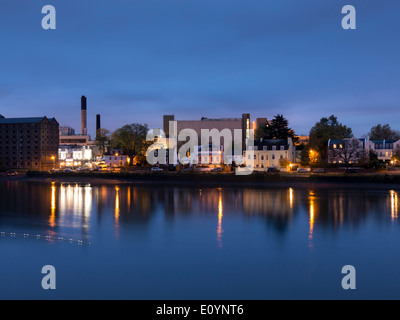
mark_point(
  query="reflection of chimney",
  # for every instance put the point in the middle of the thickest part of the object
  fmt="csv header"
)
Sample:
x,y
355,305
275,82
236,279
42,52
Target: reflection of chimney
x,y
83,116
98,124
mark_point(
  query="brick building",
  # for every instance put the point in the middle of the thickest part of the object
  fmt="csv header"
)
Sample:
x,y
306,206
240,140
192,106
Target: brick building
x,y
29,143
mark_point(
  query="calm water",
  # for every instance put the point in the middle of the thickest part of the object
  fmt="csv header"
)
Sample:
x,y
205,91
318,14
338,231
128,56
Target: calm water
x,y
189,243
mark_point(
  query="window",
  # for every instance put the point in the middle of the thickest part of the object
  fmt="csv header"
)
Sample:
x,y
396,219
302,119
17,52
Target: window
x,y
282,148
262,158
273,157
265,148
274,148
335,146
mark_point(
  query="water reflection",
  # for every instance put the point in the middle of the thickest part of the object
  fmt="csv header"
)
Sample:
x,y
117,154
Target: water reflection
x,y
52,219
76,207
220,215
394,204
116,211
312,214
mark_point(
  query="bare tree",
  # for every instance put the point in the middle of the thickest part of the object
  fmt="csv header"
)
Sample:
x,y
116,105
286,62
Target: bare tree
x,y
350,151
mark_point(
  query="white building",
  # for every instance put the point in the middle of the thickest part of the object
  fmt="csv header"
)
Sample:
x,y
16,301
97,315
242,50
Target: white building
x,y
116,158
269,153
74,156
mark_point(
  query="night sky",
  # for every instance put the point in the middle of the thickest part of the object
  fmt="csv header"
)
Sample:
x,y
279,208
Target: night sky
x,y
136,60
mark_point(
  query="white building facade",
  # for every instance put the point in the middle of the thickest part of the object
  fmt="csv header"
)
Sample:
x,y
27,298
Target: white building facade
x,y
269,153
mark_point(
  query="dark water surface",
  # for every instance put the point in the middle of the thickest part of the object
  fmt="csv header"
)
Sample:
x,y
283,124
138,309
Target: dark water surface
x,y
142,242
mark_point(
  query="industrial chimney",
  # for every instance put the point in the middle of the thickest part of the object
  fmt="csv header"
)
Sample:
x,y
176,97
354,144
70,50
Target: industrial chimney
x,y
83,116
98,124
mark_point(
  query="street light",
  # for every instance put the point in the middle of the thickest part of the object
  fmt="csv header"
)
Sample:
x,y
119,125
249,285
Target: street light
x,y
54,160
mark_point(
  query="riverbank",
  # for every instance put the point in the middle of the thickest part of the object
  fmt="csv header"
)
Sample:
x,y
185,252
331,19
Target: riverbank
x,y
256,180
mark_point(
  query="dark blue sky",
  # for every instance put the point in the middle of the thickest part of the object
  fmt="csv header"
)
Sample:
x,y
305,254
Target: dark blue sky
x,y
136,60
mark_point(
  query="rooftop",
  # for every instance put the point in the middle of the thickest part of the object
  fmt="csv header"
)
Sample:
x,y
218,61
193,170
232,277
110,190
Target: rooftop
x,y
23,120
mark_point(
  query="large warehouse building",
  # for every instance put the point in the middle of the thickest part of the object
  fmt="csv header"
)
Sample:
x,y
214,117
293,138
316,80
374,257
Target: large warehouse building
x,y
29,143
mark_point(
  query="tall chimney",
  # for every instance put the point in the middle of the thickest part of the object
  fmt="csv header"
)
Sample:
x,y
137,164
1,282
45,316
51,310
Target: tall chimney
x,y
83,116
98,123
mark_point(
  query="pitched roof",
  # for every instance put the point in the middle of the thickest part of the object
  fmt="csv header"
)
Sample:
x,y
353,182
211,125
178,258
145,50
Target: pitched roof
x,y
271,142
23,120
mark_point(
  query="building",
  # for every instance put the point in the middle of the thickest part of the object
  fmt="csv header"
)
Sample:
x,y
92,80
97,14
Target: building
x,y
74,156
116,158
231,124
29,143
208,156
260,123
347,151
303,140
384,149
77,140
67,131
269,153
78,149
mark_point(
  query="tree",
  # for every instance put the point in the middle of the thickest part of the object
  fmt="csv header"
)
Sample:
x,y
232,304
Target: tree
x,y
284,163
277,129
131,138
383,132
352,151
369,160
103,139
324,130
305,156
396,155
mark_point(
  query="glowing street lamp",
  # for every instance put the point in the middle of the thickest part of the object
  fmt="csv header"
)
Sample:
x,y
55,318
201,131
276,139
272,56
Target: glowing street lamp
x,y
313,156
54,160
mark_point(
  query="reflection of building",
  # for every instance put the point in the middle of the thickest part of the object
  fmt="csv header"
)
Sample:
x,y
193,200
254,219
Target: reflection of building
x,y
268,153
278,204
28,143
